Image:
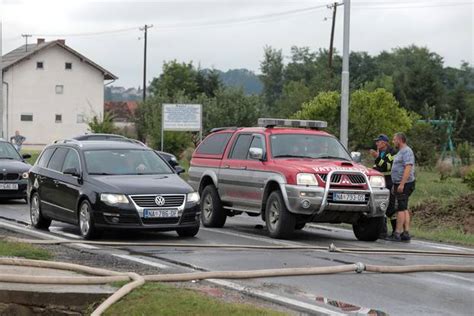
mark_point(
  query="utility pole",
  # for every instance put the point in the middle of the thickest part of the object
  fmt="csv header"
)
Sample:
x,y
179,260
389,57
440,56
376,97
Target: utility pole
x,y
145,31
331,42
26,40
345,76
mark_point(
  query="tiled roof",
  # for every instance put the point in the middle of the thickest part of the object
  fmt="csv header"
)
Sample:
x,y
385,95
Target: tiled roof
x,y
19,54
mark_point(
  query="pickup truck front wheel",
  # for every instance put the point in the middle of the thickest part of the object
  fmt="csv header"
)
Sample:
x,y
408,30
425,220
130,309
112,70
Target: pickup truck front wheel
x,y
368,228
280,222
212,213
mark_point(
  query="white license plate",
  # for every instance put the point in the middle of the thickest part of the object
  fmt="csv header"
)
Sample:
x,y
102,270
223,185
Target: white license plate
x,y
160,213
348,197
8,186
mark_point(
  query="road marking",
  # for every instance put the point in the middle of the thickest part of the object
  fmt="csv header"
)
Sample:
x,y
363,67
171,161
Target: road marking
x,y
454,276
57,230
286,301
142,261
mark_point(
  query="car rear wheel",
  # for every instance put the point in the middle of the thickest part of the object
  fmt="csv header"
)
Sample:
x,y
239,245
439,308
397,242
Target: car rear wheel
x,y
368,228
187,231
280,222
86,222
37,218
212,213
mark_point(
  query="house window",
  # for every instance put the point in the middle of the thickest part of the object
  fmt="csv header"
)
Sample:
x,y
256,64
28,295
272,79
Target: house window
x,y
58,118
26,117
59,89
68,66
39,65
80,119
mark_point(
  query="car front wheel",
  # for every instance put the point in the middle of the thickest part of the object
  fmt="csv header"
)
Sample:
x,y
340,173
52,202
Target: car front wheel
x,y
280,222
86,221
36,216
212,213
368,228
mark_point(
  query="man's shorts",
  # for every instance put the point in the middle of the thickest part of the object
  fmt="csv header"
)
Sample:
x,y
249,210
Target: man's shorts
x,y
402,198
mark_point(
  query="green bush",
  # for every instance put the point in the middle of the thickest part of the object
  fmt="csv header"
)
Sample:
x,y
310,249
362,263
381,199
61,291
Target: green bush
x,y
424,140
469,179
464,153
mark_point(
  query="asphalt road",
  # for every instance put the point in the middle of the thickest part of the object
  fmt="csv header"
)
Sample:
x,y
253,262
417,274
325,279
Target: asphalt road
x,y
395,294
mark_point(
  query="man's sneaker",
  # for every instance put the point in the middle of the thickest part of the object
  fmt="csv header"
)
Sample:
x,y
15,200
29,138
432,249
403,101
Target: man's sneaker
x,y
405,236
395,237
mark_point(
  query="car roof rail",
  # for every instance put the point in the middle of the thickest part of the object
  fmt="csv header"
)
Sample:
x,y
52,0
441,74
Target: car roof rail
x,y
218,129
272,122
67,141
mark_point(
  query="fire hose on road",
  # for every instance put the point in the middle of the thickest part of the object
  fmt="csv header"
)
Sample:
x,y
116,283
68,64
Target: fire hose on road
x,y
104,276
330,248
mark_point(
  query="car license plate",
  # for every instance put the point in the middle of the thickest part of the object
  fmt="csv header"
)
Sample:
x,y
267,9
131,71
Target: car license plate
x,y
160,213
348,197
8,186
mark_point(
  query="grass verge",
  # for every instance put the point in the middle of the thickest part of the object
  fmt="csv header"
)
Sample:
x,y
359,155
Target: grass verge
x,y
34,155
22,250
161,299
442,234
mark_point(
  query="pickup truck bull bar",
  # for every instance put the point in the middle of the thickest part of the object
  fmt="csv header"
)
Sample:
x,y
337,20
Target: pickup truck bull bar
x,y
324,201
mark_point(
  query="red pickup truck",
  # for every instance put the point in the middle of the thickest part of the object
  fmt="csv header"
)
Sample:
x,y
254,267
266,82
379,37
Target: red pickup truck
x,y
289,172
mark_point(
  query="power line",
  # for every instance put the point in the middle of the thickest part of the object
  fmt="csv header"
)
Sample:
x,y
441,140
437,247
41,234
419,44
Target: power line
x,y
394,5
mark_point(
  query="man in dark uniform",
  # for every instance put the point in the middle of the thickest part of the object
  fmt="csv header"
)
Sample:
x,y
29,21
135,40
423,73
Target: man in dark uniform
x,y
384,156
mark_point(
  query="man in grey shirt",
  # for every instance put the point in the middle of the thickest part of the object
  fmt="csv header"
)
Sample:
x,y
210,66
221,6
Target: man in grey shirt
x,y
403,178
17,140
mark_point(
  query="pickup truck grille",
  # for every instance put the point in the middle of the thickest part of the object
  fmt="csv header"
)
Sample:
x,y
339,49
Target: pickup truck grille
x,y
149,200
336,178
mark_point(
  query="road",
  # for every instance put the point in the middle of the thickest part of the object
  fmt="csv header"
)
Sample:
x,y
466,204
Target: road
x,y
395,294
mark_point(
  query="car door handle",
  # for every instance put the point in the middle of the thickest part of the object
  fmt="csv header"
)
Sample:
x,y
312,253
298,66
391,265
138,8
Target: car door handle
x,y
243,168
226,166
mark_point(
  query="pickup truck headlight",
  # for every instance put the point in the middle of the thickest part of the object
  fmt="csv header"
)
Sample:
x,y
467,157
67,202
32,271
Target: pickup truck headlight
x,y
113,199
377,182
193,197
306,179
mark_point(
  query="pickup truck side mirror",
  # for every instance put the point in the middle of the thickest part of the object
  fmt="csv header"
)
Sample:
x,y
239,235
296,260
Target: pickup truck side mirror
x,y
256,153
356,156
26,156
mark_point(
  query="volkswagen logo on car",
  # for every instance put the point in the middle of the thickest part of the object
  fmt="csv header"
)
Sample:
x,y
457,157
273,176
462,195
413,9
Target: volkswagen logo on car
x,y
159,200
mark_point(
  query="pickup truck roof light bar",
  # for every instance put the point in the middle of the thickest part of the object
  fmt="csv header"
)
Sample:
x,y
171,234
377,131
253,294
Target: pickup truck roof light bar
x,y
218,129
272,122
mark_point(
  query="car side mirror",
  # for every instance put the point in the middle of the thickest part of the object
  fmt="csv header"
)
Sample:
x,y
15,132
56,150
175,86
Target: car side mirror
x,y
26,156
179,169
72,172
256,153
356,156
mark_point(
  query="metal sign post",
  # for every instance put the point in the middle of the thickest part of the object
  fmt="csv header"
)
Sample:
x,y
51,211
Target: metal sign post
x,y
181,118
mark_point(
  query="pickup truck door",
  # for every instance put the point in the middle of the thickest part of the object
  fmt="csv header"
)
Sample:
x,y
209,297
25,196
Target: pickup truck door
x,y
256,172
233,176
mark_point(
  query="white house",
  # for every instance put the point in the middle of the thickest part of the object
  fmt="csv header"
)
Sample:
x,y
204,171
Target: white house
x,y
49,91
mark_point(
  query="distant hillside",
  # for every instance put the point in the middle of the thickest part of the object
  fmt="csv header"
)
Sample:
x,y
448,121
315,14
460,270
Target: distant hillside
x,y
114,93
242,78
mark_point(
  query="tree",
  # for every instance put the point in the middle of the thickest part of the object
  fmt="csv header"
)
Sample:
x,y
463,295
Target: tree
x,y
370,114
295,93
176,77
272,75
208,82
102,125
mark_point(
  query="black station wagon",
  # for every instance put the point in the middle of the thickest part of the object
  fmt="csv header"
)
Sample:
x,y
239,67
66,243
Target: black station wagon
x,y
101,185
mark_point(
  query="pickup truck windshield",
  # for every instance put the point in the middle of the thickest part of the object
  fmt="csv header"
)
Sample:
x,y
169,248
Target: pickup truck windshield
x,y
124,162
307,146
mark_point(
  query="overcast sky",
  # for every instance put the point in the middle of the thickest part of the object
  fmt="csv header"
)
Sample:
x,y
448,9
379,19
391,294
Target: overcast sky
x,y
228,34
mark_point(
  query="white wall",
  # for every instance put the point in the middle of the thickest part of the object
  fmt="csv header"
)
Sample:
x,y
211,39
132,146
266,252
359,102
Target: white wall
x,y
33,91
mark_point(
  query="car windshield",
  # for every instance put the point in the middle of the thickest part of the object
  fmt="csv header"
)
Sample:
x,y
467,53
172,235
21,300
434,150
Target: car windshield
x,y
124,162
7,151
307,146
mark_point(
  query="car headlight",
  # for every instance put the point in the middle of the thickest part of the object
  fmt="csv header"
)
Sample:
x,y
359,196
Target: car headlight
x,y
193,197
25,175
306,179
113,199
377,182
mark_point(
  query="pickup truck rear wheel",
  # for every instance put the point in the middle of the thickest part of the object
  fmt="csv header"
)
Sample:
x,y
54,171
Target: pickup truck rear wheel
x,y
280,222
212,213
368,228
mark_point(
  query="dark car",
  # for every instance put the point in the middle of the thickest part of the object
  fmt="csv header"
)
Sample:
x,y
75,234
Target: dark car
x,y
100,136
172,160
100,185
13,172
